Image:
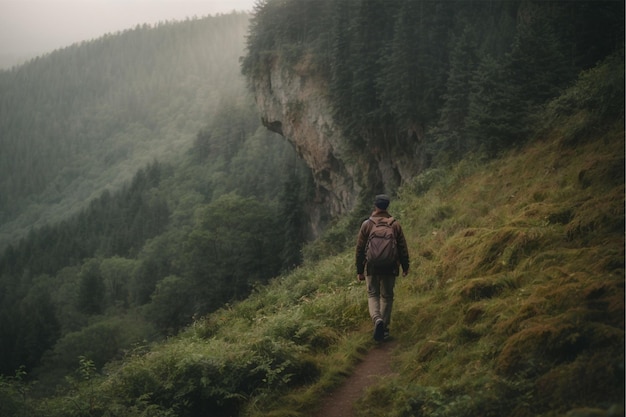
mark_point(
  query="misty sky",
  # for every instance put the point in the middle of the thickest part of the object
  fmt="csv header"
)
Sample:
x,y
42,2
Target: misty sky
x,y
33,27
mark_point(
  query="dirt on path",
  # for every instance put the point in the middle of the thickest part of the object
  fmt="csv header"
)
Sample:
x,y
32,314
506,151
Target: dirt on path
x,y
377,363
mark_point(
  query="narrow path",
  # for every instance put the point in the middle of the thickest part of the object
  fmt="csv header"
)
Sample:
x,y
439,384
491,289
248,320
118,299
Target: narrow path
x,y
376,363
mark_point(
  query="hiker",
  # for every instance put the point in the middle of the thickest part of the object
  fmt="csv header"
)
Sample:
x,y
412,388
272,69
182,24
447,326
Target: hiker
x,y
378,261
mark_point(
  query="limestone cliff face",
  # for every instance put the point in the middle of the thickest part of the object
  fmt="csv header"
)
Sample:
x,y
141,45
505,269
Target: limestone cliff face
x,y
293,102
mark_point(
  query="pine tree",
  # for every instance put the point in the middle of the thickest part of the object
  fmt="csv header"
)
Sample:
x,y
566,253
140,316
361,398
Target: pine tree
x,y
494,122
538,66
340,65
449,140
370,34
401,73
414,64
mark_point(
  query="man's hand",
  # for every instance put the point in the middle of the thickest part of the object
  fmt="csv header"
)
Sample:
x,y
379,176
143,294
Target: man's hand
x,y
405,273
361,277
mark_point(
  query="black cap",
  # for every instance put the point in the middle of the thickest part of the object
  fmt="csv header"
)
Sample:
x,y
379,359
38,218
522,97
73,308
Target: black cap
x,y
382,201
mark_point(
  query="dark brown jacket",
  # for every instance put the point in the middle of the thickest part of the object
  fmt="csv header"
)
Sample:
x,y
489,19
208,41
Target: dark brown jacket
x,y
361,243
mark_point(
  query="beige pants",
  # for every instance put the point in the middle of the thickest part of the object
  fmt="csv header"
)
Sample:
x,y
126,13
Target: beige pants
x,y
380,297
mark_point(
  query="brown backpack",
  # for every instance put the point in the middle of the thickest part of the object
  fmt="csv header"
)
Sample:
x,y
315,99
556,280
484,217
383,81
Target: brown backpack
x,y
381,249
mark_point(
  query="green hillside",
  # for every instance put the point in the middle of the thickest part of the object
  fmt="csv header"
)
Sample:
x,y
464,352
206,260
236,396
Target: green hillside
x,y
514,305
152,233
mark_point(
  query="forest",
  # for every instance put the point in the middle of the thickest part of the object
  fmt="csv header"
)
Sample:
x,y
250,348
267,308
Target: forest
x,y
157,252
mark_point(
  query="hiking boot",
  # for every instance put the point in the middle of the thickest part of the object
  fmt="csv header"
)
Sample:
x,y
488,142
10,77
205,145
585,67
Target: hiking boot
x,y
379,330
386,334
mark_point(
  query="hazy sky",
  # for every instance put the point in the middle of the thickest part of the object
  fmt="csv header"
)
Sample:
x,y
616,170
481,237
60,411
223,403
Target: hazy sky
x,y
33,27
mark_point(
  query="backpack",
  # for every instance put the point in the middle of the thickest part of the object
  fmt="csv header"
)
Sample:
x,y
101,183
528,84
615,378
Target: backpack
x,y
381,250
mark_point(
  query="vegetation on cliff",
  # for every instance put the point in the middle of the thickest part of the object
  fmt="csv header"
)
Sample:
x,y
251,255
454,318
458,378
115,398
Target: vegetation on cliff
x,y
430,79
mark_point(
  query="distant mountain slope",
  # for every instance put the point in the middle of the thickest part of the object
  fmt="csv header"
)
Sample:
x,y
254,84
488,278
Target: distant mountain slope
x,y
86,117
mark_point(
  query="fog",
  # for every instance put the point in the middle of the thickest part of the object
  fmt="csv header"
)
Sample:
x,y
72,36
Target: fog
x,y
29,28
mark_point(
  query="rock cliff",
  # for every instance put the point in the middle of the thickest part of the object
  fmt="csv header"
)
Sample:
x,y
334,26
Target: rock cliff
x,y
293,102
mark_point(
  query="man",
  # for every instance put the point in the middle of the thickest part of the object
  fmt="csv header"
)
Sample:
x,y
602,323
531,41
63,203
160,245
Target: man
x,y
380,279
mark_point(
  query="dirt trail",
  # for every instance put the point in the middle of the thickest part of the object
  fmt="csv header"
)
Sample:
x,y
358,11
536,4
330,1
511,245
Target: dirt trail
x,y
377,363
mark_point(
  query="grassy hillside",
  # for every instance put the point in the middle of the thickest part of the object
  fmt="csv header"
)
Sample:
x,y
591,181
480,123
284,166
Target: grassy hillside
x,y
514,305
517,305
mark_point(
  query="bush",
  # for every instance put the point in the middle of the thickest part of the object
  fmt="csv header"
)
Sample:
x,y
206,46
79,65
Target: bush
x,y
101,342
214,377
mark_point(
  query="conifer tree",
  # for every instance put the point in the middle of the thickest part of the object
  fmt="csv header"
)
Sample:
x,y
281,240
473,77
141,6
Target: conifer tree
x,y
369,28
401,74
340,66
449,140
414,64
538,65
494,121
